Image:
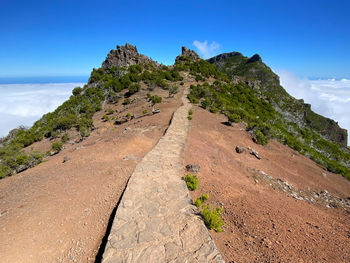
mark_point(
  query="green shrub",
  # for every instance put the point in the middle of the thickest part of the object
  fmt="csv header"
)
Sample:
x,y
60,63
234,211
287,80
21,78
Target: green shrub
x,y
201,199
144,112
36,157
84,131
232,117
189,117
126,102
191,181
134,88
212,218
190,112
65,138
109,111
5,171
56,146
76,91
156,99
22,159
105,118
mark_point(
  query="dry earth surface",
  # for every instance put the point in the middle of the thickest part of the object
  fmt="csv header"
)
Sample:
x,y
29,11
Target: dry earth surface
x,y
59,211
263,223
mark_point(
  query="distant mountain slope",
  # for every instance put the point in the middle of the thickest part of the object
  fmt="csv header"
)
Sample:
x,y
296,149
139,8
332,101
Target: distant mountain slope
x,y
261,78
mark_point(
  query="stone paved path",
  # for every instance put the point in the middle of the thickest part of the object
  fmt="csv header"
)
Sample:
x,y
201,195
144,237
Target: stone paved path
x,y
155,221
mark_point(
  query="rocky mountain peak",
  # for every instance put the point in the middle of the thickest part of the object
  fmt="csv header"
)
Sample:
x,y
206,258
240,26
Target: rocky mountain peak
x,y
125,56
254,58
185,52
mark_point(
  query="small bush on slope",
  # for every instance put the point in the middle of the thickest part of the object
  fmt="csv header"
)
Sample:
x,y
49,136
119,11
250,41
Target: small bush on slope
x,y
57,146
212,217
191,181
201,199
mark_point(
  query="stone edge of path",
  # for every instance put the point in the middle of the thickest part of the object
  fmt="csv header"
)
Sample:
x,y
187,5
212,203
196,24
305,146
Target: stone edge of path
x,y
156,220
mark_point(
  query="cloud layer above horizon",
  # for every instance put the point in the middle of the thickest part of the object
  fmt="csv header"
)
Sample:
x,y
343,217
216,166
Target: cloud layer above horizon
x,y
206,50
23,104
330,98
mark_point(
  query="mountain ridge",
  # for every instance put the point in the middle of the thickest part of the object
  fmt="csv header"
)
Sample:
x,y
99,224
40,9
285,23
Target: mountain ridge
x,y
325,126
273,113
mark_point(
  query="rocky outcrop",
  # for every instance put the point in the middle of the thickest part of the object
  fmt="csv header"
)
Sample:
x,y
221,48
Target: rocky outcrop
x,y
125,56
254,58
224,56
187,54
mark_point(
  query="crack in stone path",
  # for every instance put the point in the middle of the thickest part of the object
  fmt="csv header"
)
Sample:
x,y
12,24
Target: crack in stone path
x,y
156,220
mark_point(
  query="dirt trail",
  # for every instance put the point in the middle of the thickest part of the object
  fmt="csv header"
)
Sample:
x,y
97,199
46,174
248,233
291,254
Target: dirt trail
x,y
263,223
58,212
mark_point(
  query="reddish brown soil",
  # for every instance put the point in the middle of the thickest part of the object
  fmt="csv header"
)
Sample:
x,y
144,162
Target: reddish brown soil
x,y
58,212
263,224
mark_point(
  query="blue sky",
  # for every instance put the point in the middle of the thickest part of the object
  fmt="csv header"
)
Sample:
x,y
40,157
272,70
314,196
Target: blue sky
x,y
69,38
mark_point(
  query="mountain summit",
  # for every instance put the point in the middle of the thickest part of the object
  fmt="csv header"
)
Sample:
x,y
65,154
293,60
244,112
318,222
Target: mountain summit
x,y
125,56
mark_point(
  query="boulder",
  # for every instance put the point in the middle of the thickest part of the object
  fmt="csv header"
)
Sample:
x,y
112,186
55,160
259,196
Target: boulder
x,y
193,168
239,149
66,159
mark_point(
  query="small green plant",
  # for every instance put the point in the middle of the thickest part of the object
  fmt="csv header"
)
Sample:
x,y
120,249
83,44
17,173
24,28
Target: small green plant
x,y
128,115
201,199
189,117
190,112
156,99
126,102
65,138
191,181
56,146
109,111
144,112
105,118
212,217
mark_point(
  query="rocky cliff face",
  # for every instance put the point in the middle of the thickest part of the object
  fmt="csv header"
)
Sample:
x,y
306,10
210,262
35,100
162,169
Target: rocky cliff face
x,y
125,56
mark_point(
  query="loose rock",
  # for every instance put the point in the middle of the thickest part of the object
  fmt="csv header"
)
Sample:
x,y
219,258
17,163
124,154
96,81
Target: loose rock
x,y
193,168
240,149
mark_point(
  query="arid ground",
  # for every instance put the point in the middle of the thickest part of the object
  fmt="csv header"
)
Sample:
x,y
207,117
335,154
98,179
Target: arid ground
x,y
264,223
59,211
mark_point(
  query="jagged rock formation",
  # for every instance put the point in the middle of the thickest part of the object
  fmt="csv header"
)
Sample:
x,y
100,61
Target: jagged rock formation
x,y
267,84
187,53
125,56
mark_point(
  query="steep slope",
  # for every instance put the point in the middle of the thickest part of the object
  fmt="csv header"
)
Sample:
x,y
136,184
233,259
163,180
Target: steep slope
x,y
254,89
281,208
123,74
266,83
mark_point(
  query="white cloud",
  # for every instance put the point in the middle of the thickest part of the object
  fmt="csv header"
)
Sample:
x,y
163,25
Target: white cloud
x,y
205,50
23,104
330,98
